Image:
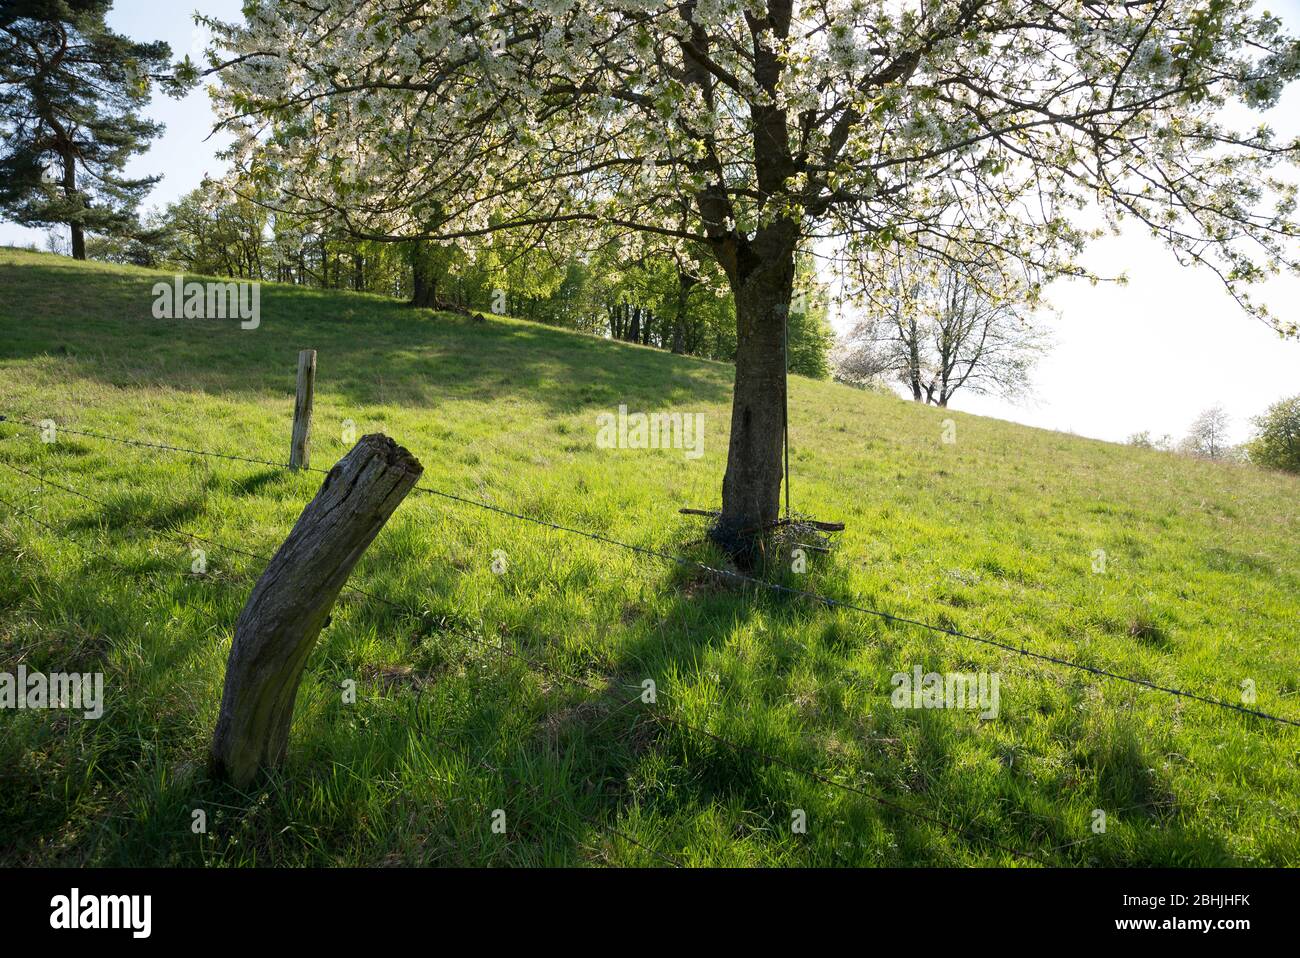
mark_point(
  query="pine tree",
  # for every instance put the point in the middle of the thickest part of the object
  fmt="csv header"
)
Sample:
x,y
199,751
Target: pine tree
x,y
71,92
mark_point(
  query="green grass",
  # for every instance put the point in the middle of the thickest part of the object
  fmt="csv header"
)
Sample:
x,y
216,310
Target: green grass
x,y
994,535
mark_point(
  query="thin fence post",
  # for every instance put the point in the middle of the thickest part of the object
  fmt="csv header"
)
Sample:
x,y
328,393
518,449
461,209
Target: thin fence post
x,y
291,603
300,447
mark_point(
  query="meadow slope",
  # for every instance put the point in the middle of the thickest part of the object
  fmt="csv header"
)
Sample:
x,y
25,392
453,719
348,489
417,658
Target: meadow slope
x,y
460,707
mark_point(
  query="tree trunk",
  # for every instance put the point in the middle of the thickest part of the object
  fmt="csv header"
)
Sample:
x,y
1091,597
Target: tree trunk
x,y
70,191
761,273
685,281
291,603
763,285
424,278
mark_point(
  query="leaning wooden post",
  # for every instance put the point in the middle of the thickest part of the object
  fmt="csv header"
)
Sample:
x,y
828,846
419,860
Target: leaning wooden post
x,y
300,449
291,602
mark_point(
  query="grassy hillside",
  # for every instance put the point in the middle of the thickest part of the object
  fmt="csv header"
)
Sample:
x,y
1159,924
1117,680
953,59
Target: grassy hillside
x,y
994,534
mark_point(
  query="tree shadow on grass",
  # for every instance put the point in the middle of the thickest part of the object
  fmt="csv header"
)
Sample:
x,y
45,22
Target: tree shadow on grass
x,y
739,766
605,738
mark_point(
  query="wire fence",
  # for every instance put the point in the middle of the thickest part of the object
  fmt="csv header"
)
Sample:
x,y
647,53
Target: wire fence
x,y
735,576
604,683
187,537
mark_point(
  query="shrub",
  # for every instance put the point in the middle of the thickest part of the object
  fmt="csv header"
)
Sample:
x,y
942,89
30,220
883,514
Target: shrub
x,y
1276,444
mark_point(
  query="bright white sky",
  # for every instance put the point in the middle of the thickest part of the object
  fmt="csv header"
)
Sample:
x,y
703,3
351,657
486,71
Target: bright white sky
x,y
1149,355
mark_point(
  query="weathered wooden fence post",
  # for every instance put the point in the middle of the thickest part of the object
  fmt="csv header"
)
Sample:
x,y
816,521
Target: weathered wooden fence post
x,y
300,449
291,602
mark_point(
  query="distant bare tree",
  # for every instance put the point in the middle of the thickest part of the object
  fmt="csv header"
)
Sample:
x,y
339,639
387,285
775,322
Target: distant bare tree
x,y
1208,435
939,325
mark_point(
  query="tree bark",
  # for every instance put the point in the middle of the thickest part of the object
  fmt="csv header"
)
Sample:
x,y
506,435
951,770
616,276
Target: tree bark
x,y
70,191
424,278
291,603
763,285
761,272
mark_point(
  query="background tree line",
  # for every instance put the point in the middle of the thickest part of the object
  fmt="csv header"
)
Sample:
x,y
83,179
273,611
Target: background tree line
x,y
656,296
